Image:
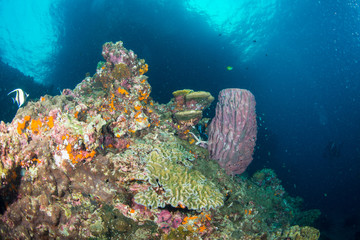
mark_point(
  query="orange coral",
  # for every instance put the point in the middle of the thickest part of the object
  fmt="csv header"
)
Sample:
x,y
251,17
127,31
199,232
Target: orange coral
x,y
92,154
122,91
35,125
22,125
27,118
202,228
180,206
144,96
68,148
143,69
36,160
81,155
112,105
248,211
50,121
137,114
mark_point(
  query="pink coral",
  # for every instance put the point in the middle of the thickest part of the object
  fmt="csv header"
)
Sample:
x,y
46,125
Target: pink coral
x,y
166,220
177,221
68,92
232,132
115,53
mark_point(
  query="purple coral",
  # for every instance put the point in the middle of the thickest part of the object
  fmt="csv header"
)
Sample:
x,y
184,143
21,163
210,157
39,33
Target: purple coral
x,y
166,220
164,216
232,132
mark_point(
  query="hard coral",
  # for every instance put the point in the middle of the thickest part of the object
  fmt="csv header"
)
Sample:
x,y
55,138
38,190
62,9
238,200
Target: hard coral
x,y
179,184
187,107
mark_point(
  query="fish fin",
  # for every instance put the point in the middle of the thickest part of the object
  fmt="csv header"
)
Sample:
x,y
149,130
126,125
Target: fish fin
x,y
12,91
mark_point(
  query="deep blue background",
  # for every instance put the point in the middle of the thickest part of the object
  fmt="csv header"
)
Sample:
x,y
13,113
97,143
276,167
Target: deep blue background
x,y
304,74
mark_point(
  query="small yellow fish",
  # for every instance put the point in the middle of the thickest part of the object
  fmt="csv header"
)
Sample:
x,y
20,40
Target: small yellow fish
x,y
229,68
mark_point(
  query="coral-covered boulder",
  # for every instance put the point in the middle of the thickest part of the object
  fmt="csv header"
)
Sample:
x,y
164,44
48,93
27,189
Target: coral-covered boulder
x,y
187,107
232,132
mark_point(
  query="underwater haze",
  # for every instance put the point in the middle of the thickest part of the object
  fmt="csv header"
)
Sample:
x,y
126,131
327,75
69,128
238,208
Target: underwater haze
x,y
300,59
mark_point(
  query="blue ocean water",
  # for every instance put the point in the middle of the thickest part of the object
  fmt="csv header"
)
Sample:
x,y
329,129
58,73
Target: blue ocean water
x,y
299,58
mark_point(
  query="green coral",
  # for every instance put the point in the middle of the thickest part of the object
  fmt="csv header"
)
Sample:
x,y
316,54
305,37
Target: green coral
x,y
76,127
301,233
188,115
205,98
199,95
3,171
100,64
181,233
174,182
182,92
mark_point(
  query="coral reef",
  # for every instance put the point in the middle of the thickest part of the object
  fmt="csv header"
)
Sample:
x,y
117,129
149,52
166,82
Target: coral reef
x,y
232,132
104,161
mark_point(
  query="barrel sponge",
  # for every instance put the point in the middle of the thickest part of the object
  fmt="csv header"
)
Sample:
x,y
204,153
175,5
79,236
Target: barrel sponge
x,y
174,182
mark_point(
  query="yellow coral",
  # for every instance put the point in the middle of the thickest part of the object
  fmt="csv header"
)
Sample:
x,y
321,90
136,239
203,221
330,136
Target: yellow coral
x,y
182,92
121,70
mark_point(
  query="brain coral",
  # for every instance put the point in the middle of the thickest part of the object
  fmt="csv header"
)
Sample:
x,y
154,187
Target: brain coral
x,y
174,182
